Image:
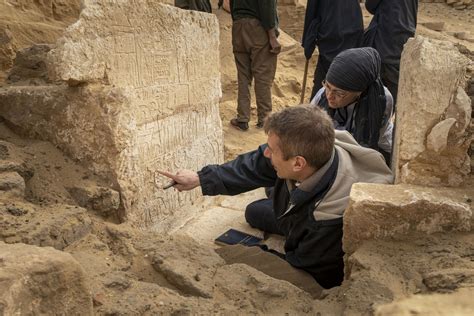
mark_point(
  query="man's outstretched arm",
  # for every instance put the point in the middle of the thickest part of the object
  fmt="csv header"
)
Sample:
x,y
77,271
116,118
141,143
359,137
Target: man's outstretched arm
x,y
245,173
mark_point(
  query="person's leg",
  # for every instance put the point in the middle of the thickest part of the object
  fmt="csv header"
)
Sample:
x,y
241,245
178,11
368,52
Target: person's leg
x,y
320,72
390,74
244,72
263,66
272,265
259,214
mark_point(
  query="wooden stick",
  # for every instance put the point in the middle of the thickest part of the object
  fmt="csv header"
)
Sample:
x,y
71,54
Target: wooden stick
x,y
304,81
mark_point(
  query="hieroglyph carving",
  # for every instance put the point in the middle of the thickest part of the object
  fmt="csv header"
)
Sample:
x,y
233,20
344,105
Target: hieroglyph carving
x,y
144,87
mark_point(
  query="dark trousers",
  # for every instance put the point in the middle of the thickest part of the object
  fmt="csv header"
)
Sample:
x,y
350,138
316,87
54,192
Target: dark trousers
x,y
320,72
254,60
390,74
259,214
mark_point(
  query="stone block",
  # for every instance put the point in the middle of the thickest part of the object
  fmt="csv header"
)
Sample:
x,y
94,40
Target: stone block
x,y
435,26
429,148
461,35
53,226
136,89
378,211
12,183
458,303
188,266
41,281
103,200
7,49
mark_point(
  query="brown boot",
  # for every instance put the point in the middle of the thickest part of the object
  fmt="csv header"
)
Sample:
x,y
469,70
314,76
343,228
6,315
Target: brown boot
x,y
243,126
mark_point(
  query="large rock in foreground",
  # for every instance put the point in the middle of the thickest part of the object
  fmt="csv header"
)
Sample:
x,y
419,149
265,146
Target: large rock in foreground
x,y
137,90
433,115
378,211
41,281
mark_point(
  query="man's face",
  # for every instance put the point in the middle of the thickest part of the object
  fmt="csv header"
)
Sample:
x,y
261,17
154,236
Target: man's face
x,y
284,168
338,98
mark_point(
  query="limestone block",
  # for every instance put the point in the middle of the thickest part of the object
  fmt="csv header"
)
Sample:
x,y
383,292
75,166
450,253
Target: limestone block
x,y
431,76
188,266
136,89
30,64
7,49
438,137
458,303
103,200
245,286
54,226
379,211
12,183
461,110
435,26
41,281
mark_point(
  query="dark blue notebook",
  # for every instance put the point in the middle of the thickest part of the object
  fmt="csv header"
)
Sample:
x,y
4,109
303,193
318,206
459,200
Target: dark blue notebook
x,y
234,237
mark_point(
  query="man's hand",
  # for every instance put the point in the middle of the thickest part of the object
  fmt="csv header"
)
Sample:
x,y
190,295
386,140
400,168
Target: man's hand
x,y
275,47
185,179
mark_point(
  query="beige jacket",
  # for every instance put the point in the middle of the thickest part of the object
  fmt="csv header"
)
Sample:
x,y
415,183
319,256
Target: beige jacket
x,y
356,164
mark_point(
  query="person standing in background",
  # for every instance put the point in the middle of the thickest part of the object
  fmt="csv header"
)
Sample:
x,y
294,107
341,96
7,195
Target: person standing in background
x,y
333,26
255,47
391,26
196,5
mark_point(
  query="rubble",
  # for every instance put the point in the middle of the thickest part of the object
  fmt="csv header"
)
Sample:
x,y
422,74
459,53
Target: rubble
x,y
41,280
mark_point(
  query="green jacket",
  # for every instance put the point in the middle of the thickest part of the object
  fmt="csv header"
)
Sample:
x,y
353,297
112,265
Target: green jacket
x,y
263,10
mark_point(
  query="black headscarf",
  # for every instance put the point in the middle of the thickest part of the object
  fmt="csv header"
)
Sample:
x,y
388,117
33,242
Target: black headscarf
x,y
358,70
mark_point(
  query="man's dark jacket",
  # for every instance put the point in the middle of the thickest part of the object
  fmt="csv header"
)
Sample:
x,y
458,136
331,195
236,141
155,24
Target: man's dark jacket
x,y
311,245
332,25
394,22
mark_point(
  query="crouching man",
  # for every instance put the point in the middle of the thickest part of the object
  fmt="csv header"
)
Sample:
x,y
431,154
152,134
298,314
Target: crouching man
x,y
312,168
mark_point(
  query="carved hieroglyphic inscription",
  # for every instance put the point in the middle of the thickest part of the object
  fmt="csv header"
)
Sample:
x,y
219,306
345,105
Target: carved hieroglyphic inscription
x,y
161,68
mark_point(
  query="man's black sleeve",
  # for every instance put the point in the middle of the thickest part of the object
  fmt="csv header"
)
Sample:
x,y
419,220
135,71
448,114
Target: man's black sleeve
x,y
371,5
268,13
310,29
245,173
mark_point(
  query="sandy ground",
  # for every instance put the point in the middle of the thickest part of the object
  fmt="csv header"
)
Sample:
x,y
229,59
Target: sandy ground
x,y
122,262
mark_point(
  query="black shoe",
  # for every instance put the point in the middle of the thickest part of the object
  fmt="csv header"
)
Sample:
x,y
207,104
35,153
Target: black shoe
x,y
259,125
243,126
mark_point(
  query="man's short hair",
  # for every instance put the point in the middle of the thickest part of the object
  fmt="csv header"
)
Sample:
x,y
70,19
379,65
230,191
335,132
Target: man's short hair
x,y
304,130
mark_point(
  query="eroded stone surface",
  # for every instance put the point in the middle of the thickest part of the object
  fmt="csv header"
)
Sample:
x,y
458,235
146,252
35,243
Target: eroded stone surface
x,y
41,281
379,211
188,266
143,96
56,225
459,303
381,271
432,78
12,184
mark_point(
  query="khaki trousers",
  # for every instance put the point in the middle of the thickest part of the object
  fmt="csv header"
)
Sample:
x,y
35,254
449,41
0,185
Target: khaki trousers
x,y
271,265
253,59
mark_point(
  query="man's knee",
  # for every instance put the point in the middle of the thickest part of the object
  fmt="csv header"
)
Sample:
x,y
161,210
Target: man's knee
x,y
253,213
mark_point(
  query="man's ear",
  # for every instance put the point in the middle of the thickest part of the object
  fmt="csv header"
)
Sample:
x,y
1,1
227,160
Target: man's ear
x,y
300,163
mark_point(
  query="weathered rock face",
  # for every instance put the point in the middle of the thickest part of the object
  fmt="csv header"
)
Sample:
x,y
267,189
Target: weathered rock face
x,y
141,95
459,303
55,226
433,115
379,211
41,281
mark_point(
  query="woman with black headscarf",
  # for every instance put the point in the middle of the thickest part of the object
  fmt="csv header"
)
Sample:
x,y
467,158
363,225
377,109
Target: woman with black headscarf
x,y
356,99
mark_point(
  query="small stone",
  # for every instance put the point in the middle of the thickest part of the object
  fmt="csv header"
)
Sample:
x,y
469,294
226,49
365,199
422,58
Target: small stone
x,y
435,26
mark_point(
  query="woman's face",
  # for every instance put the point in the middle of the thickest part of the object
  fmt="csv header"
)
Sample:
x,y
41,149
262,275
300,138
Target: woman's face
x,y
338,98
